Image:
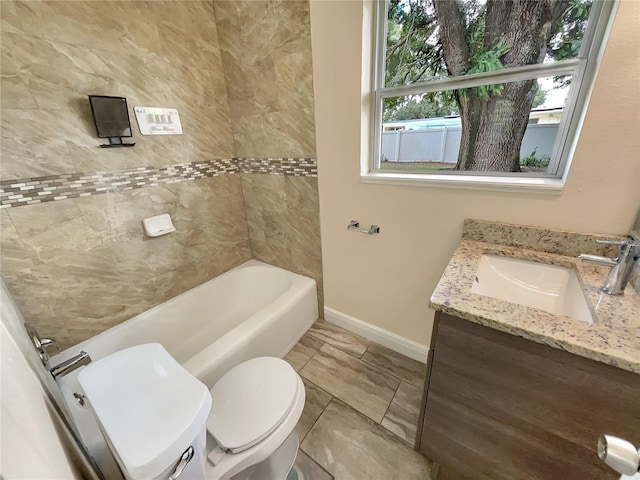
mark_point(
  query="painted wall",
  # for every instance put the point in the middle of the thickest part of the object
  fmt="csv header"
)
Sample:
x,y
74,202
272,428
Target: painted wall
x,y
266,53
386,280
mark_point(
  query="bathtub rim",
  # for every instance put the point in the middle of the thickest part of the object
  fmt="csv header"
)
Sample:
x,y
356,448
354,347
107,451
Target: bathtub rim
x,y
85,344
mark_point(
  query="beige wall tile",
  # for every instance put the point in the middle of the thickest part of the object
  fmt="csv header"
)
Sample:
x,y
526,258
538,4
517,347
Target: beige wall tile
x,y
80,266
284,225
287,133
152,53
266,53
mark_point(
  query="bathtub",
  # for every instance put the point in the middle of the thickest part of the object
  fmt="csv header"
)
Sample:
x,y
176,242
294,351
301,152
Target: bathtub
x,y
251,311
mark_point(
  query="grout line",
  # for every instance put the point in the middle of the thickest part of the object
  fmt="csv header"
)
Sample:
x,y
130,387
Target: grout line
x,y
318,417
366,350
317,464
305,363
395,392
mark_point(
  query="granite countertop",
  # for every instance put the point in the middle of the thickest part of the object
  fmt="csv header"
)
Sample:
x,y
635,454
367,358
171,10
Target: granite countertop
x,y
613,338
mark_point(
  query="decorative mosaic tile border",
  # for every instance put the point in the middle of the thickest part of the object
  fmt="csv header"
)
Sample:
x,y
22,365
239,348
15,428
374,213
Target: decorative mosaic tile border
x,y
299,167
30,191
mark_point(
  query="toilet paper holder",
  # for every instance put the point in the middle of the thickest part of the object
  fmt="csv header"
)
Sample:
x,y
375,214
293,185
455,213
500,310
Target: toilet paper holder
x,y
355,225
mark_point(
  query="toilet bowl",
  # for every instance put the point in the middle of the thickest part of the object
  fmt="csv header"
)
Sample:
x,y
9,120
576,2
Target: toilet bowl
x,y
256,406
160,422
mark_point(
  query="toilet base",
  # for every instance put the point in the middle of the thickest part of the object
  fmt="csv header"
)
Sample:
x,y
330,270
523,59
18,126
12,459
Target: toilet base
x,y
275,467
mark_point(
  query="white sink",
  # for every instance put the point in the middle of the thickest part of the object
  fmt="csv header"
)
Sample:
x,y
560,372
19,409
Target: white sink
x,y
545,287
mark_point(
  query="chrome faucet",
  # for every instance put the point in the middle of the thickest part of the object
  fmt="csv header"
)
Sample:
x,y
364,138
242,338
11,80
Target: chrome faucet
x,y
70,365
42,346
621,266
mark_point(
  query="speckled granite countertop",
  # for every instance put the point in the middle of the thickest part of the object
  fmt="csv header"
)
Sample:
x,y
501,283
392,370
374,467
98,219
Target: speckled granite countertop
x,y
613,338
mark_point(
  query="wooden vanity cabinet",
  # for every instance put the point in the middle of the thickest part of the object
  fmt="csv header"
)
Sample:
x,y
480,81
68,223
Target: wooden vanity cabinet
x,y
497,406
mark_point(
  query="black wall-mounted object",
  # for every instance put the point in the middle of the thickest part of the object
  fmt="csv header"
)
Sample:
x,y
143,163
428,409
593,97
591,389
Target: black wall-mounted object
x,y
111,117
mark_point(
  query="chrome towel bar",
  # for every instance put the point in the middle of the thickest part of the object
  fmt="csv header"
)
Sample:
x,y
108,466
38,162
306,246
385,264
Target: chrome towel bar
x,y
355,226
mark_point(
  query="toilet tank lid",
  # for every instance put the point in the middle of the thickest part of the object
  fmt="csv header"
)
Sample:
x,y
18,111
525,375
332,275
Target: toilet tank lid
x,y
147,405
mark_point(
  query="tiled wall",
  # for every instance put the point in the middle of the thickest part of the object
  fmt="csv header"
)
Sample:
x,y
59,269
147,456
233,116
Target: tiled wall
x,y
81,264
266,53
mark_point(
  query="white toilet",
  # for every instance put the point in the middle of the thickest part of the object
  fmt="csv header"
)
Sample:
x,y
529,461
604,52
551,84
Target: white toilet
x,y
160,422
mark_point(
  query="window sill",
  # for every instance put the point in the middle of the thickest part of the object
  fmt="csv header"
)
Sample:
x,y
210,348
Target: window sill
x,y
467,182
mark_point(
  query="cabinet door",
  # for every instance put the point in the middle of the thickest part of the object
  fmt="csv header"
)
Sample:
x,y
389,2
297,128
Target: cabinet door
x,y
502,407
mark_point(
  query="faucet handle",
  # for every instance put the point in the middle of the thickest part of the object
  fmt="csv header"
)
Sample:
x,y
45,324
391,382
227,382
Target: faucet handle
x,y
618,243
628,245
47,343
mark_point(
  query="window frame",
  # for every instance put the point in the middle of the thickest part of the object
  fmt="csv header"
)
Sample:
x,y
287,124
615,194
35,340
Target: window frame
x,y
582,69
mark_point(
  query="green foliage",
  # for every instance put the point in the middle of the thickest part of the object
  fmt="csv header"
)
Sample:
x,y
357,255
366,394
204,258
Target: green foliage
x,y
487,59
569,31
435,104
414,52
412,55
540,98
532,160
567,41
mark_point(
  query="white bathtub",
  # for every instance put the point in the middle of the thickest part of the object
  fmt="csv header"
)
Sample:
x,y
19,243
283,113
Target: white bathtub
x,y
253,310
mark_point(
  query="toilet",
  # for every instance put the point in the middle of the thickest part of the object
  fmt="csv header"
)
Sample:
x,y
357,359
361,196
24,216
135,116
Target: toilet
x,y
160,422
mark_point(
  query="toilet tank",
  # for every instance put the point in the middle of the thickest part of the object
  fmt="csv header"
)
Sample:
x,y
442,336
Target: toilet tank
x,y
150,410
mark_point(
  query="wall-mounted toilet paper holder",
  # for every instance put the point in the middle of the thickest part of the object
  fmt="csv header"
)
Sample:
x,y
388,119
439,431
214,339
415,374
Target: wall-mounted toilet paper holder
x,y
355,226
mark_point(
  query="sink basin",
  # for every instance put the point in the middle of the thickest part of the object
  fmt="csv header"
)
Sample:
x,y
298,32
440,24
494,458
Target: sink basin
x,y
545,287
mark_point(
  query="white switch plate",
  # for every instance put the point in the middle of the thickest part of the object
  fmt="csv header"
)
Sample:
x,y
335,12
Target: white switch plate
x,y
158,121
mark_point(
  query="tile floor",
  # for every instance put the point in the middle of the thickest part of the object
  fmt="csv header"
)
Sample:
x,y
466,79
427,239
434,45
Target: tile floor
x,y
361,410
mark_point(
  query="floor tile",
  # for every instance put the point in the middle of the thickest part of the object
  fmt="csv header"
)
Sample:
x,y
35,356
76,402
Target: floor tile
x,y
315,402
302,351
401,422
310,470
409,398
339,337
350,446
409,370
359,385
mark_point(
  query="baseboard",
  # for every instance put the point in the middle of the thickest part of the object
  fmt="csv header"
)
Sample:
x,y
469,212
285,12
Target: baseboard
x,y
395,342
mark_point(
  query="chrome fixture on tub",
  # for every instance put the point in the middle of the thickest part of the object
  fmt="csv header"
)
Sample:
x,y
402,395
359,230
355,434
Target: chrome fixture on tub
x,y
70,365
43,345
621,266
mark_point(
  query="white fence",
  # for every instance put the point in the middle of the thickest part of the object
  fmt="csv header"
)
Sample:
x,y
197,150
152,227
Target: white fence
x,y
441,144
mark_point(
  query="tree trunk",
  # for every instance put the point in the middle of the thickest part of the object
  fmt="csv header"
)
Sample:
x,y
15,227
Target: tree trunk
x,y
493,128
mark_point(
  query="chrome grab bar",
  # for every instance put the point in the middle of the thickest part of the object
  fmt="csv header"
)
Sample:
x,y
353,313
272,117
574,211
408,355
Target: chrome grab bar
x,y
355,226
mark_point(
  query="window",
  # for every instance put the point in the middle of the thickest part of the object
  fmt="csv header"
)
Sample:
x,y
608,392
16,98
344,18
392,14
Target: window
x,y
482,91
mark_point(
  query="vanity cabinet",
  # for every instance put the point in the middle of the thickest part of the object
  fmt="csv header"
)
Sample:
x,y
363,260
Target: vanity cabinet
x,y
497,406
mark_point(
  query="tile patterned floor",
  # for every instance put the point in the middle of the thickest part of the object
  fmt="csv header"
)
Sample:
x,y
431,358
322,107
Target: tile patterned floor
x,y
361,410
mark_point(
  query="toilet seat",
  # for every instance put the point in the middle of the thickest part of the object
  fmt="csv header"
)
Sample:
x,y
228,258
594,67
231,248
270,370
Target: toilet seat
x,y
250,401
222,463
